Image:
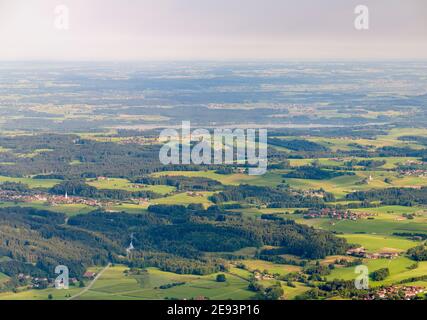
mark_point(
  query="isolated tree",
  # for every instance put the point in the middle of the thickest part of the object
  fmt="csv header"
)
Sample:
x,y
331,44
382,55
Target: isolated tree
x,y
221,278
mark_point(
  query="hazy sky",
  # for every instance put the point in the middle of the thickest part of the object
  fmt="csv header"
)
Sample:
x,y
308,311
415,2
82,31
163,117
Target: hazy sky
x,y
212,29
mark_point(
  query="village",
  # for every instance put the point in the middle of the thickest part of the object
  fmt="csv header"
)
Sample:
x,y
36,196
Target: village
x,y
420,173
43,282
313,193
362,253
55,200
395,292
336,214
15,196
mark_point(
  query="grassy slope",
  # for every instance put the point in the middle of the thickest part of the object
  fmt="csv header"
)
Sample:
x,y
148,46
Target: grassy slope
x,y
124,184
377,243
398,270
115,285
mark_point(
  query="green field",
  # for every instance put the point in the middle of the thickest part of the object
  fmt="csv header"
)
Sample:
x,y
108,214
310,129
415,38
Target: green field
x,y
340,186
271,268
391,162
32,183
129,208
386,220
185,199
376,243
114,284
398,270
68,209
124,184
270,179
40,294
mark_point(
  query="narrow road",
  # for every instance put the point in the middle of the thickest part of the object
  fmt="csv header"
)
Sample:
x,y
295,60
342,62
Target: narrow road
x,y
90,284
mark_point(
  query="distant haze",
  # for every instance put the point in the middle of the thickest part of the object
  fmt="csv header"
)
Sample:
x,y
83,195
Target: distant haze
x,y
212,29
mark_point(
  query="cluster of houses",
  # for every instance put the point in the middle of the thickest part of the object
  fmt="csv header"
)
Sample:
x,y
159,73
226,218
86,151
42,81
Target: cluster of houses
x,y
16,196
142,201
55,200
262,276
405,292
134,185
414,173
361,253
89,275
414,162
137,140
336,214
65,199
314,193
42,282
195,194
138,186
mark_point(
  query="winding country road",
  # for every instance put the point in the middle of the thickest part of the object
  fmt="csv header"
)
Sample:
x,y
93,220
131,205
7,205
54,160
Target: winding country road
x,y
87,288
